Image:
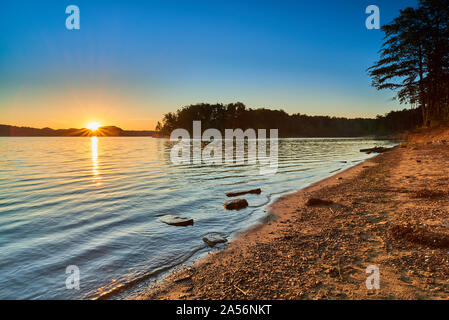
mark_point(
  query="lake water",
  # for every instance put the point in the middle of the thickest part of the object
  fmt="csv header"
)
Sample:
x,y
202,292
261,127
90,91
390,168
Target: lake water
x,y
96,203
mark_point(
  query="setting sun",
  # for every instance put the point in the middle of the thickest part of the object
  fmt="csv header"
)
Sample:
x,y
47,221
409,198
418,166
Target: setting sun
x,y
93,126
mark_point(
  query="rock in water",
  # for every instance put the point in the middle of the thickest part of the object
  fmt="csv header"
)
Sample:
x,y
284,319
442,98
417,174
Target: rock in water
x,y
239,193
177,221
236,204
213,239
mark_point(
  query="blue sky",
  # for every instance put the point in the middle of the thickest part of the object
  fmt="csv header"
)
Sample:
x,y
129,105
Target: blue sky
x,y
132,61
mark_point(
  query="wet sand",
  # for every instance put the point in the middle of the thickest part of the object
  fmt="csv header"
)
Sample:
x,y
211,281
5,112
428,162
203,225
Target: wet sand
x,y
390,211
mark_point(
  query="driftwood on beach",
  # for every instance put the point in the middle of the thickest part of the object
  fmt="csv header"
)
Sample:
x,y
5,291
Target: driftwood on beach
x,y
239,193
375,150
318,202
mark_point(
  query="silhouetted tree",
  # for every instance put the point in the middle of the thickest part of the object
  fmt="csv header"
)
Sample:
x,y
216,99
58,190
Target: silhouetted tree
x,y
414,58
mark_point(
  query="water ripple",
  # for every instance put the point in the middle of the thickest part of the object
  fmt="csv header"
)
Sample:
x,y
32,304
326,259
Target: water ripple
x,y
69,201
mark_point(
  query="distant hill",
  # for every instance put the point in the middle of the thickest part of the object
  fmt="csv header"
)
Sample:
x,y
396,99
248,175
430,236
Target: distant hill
x,y
107,131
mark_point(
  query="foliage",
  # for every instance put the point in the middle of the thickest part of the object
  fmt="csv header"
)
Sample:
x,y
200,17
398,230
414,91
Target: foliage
x,y
236,115
414,59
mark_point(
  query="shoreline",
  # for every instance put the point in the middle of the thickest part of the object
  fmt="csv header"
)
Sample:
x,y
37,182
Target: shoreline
x,y
253,233
321,252
135,288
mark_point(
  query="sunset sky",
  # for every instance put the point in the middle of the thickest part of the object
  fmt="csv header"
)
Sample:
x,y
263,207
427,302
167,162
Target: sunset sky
x,y
133,61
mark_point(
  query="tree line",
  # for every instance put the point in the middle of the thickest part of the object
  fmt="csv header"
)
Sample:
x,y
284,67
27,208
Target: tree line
x,y
414,63
237,115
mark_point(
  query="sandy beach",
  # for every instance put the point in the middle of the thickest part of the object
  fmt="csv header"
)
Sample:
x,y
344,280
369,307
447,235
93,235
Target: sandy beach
x,y
390,211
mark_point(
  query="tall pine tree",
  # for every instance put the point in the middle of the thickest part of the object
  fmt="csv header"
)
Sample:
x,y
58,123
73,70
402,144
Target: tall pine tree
x,y
414,59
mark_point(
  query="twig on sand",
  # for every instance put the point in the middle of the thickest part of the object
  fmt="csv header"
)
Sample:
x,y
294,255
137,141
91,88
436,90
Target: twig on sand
x,y
332,210
241,290
339,270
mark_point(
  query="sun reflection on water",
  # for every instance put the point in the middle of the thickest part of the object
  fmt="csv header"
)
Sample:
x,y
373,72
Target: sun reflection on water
x,y
95,170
